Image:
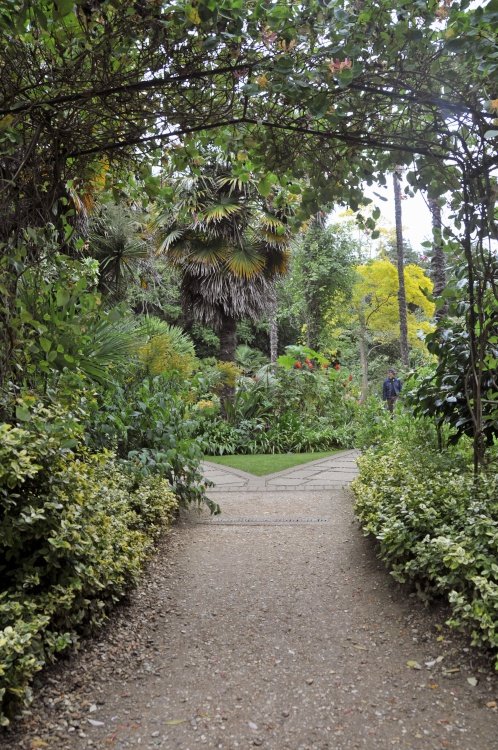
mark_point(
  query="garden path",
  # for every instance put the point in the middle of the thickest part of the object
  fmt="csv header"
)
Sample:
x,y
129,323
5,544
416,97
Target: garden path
x,y
273,626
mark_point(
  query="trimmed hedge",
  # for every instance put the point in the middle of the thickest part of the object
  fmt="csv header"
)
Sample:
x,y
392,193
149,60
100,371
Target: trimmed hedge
x,y
436,526
75,531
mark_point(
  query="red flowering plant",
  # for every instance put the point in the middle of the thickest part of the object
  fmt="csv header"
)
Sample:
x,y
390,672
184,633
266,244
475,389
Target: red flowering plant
x,y
310,362
302,358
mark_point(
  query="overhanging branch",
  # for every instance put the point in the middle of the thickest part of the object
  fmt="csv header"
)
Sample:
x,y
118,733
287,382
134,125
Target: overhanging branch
x,y
351,140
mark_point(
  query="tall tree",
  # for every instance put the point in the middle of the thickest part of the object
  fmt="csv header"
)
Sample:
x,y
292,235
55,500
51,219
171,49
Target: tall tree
x,y
273,327
403,325
322,266
374,313
229,245
438,260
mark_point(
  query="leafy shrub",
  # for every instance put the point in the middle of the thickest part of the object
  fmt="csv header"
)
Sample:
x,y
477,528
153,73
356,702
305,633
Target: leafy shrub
x,y
437,526
229,372
287,434
167,348
75,530
250,360
61,323
284,411
302,357
218,437
150,425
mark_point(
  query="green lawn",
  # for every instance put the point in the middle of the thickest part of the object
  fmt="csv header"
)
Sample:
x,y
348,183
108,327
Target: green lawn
x,y
267,463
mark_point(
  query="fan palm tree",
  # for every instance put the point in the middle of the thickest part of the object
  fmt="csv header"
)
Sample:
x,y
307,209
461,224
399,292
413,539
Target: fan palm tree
x,y
116,239
229,245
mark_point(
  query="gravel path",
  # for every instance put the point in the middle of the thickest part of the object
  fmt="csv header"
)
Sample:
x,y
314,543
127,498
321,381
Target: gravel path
x,y
271,626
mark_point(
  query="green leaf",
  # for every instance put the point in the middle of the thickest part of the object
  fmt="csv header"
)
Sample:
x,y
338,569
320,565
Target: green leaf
x,y
45,344
284,64
265,185
295,189
64,7
345,77
62,297
319,104
23,414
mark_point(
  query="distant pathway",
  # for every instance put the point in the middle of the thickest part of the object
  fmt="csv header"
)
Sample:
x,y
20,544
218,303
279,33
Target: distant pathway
x,y
270,626
325,473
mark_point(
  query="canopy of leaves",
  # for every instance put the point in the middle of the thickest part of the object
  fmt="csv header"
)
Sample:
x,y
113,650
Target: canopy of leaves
x,y
267,82
375,300
322,266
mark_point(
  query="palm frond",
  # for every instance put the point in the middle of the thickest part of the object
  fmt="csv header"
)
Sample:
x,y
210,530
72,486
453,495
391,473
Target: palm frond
x,y
234,183
245,261
116,240
274,238
111,344
277,262
204,255
173,236
152,327
216,212
270,221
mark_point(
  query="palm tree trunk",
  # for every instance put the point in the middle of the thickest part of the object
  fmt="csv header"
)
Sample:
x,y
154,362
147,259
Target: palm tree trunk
x,y
438,261
403,322
228,339
228,345
273,325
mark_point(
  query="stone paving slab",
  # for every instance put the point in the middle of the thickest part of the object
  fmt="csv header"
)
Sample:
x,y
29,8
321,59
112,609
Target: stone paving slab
x,y
324,473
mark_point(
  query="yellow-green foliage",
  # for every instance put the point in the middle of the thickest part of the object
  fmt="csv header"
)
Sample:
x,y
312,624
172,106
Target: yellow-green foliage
x,y
208,407
159,355
375,297
229,372
74,535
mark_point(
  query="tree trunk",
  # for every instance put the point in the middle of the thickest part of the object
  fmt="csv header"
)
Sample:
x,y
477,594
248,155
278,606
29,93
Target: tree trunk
x,y
403,324
438,261
363,360
228,339
228,345
273,325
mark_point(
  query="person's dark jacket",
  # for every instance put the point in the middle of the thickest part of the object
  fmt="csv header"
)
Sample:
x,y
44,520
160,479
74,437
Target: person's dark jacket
x,y
391,388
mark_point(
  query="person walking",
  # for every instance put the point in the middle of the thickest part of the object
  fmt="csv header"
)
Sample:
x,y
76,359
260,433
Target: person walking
x,y
391,390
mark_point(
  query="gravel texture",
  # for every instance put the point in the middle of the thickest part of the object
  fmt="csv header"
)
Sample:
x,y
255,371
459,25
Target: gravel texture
x,y
274,627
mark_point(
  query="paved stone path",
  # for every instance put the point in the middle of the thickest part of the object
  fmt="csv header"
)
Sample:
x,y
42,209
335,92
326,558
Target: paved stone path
x,y
273,626
327,473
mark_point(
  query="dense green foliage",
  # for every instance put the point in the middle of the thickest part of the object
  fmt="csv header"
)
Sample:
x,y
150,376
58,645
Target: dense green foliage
x,y
445,391
436,524
304,100
75,530
96,454
294,410
322,268
151,425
